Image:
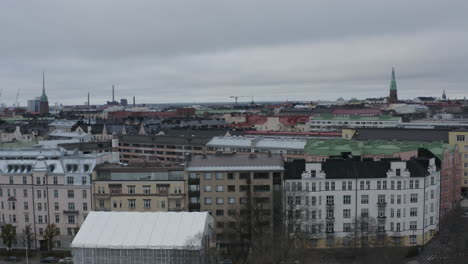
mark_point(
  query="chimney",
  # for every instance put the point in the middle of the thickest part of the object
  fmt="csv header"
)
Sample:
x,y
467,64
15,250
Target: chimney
x,y
134,101
113,98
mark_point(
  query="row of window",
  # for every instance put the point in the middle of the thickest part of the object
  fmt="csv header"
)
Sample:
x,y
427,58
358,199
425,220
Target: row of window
x,y
348,185
43,219
43,193
70,180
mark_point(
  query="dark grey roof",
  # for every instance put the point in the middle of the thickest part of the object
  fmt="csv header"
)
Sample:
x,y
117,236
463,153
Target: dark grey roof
x,y
235,160
402,134
154,140
351,169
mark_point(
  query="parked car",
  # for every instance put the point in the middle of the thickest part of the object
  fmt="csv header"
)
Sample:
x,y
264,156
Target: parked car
x,y
49,260
68,260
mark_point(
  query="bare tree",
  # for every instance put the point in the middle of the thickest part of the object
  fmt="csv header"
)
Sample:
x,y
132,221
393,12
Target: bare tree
x,y
49,234
8,235
28,236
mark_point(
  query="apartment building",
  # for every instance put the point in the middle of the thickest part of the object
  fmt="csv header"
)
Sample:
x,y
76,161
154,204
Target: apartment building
x,y
328,122
460,139
170,149
347,202
144,187
446,155
290,148
46,186
226,184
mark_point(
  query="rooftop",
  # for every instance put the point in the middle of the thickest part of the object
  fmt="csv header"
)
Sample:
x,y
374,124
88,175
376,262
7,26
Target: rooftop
x,y
356,117
235,162
402,134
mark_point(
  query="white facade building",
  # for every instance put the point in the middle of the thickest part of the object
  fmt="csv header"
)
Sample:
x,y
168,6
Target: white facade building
x,y
325,123
400,198
46,186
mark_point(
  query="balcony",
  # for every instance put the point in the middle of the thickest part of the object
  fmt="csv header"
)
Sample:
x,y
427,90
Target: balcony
x,y
381,216
70,212
330,218
331,205
192,181
381,203
194,193
194,206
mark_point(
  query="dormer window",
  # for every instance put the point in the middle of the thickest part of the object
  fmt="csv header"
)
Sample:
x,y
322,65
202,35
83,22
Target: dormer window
x,y
398,172
313,173
52,168
75,167
69,167
86,167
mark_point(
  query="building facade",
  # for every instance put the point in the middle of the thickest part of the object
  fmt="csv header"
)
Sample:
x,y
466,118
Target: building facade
x,y
347,203
46,186
140,188
227,184
333,123
460,139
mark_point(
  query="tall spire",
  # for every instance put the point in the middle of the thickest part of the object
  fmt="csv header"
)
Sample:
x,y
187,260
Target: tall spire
x,y
43,96
393,85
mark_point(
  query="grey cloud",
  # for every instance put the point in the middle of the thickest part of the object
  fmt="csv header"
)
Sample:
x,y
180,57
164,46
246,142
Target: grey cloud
x,y
196,51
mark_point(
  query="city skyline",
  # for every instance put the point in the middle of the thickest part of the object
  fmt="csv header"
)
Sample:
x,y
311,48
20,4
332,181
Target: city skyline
x,y
208,51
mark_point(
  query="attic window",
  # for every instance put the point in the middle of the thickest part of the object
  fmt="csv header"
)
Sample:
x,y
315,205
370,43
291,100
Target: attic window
x,y
75,167
86,167
69,167
313,173
52,167
398,172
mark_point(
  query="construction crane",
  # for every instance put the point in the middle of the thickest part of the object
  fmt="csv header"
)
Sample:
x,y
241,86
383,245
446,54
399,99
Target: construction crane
x,y
236,97
17,96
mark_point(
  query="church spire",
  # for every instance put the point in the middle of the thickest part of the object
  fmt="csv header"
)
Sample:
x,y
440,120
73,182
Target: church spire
x,y
43,96
393,98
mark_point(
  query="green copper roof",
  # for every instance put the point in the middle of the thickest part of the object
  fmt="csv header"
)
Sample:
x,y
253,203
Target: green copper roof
x,y
356,117
393,85
334,147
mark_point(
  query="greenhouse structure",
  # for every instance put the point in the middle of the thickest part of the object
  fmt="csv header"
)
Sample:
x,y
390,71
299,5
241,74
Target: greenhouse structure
x,y
143,238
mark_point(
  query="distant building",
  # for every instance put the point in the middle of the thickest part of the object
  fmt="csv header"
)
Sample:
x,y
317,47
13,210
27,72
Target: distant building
x,y
393,98
33,105
329,122
459,138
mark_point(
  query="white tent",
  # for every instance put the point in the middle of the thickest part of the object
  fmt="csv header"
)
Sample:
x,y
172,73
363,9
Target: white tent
x,y
148,237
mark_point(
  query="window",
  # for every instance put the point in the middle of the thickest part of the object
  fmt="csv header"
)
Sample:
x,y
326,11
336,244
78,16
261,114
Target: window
x,y
413,225
365,199
83,180
460,138
56,206
207,176
330,226
39,193
392,186
398,185
384,185
432,194
346,213
381,212
368,185
361,185
330,199
219,176
131,203
39,206
230,176
71,219
343,185
398,199
231,188
346,227
219,212
414,198
327,186
71,194
70,180
56,193
208,201
350,185
231,200
398,229
398,213
313,187
398,172
84,193
55,180
219,200
146,189
26,206
413,211
346,199
416,184
364,212
147,203
219,188
379,185
85,206
38,180
411,184
243,200
330,213
25,192
381,199
71,206
131,189
412,239
207,188
25,181
332,186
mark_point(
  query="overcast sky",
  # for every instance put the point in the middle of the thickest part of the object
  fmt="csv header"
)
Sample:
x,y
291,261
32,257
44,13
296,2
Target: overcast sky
x,y
204,51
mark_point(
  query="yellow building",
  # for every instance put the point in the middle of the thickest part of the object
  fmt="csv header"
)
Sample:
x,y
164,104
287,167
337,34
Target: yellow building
x,y
460,138
141,189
